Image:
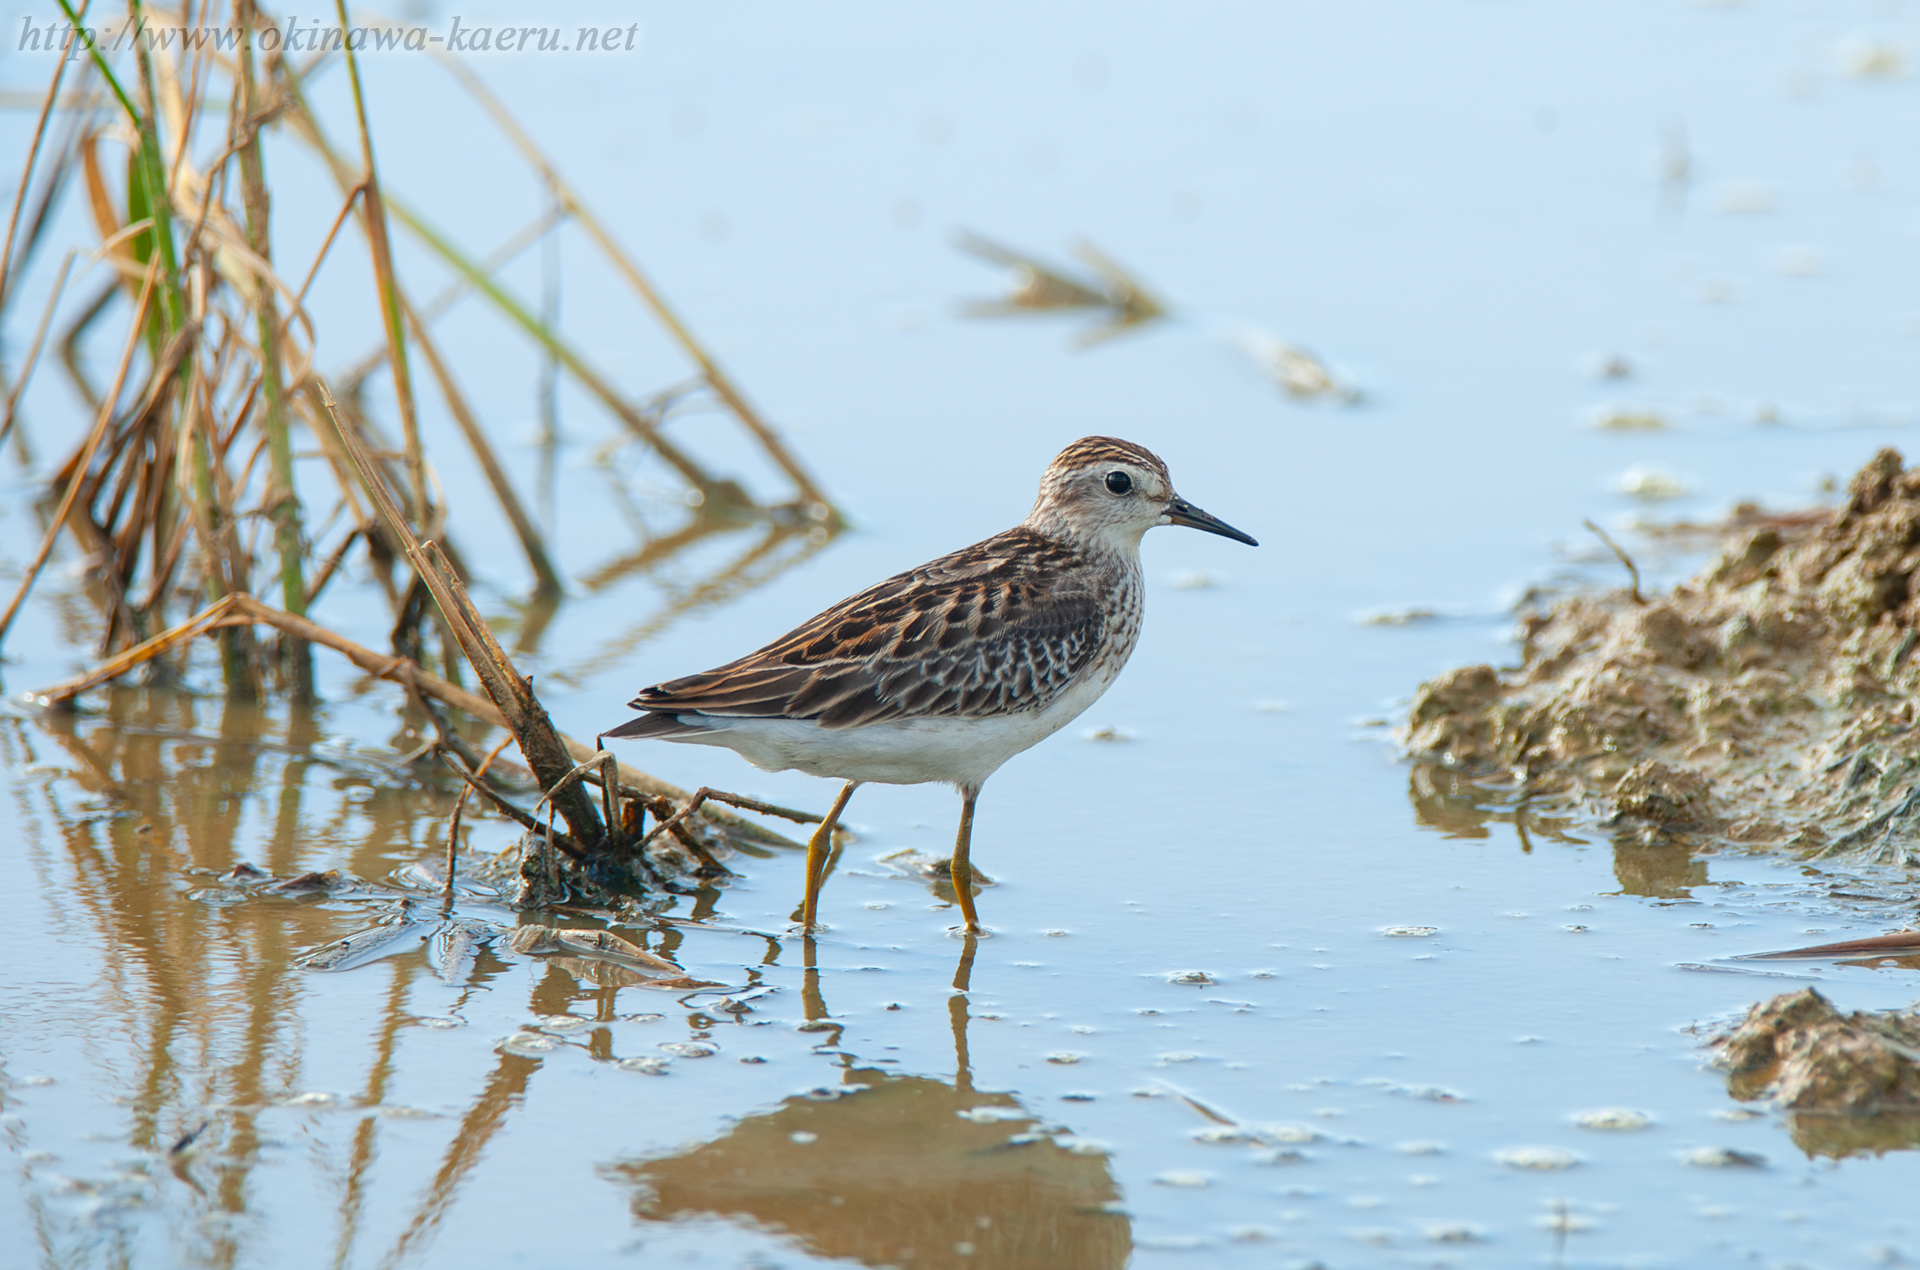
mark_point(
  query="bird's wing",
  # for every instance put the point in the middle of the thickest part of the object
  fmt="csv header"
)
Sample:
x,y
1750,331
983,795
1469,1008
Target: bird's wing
x,y
996,628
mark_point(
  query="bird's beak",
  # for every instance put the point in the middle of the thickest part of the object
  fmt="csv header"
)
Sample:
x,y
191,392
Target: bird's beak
x,y
1181,512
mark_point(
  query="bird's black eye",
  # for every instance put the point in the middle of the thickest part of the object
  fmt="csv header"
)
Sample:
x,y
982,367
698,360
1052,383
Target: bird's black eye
x,y
1119,483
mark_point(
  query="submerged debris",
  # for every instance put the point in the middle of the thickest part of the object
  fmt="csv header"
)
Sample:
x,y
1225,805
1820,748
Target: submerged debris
x,y
1036,287
1850,1082
601,957
1298,373
1772,700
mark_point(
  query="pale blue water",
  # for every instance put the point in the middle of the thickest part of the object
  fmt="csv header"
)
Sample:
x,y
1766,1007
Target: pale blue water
x,y
1459,203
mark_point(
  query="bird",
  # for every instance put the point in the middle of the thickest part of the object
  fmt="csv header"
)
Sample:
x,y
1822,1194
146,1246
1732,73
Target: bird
x,y
944,672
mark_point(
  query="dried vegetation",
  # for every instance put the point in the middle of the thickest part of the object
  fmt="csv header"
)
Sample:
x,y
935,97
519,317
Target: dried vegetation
x,y
185,493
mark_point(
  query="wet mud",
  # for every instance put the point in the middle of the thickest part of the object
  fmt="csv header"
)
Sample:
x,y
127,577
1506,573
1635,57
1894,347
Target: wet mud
x,y
1849,1083
1769,701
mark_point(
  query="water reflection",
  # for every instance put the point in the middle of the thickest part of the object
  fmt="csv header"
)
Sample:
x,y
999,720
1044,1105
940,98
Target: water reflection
x,y
1460,806
889,1169
215,859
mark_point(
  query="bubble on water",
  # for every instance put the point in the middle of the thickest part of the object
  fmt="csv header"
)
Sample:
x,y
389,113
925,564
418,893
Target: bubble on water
x,y
1287,1133
1065,1058
988,1115
1184,1178
1454,1232
1744,197
1366,1202
1219,1133
1627,419
1868,57
1107,733
1409,932
1251,1234
1738,1114
1562,1222
1379,1236
1084,1146
1614,1119
1722,1158
1192,579
400,1111
562,1023
690,1049
1539,1159
877,905
1078,1095
1054,934
1651,484
439,1023
650,1065
313,1098
1198,977
529,1044
1180,1056
800,1137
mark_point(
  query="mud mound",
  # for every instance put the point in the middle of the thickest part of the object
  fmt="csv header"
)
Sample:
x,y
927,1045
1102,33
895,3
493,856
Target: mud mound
x,y
1769,701
1850,1082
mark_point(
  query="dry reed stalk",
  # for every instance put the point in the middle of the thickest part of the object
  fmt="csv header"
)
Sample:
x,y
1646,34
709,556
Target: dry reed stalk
x,y
197,475
531,542
382,254
513,696
26,180
283,501
77,479
722,384
246,610
33,351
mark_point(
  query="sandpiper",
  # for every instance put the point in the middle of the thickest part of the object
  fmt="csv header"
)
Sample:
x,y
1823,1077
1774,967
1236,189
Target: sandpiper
x,y
944,672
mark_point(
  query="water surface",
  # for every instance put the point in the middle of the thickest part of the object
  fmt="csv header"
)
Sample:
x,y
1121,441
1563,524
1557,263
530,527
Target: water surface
x,y
1191,1037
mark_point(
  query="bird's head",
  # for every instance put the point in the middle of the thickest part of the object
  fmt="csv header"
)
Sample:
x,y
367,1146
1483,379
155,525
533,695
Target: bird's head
x,y
1108,492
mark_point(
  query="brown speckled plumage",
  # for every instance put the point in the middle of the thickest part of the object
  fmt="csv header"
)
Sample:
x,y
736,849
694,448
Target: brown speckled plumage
x,y
996,628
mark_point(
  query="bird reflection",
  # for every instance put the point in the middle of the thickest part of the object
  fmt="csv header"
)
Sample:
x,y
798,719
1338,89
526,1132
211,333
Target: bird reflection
x,y
888,1169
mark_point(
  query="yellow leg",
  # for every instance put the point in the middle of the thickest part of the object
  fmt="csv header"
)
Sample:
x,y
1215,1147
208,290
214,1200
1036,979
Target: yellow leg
x,y
818,848
962,867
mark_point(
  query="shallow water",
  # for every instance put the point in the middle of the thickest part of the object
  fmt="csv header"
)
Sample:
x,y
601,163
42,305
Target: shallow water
x,y
1207,1028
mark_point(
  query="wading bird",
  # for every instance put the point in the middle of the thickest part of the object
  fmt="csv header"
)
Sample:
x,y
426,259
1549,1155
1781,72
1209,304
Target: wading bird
x,y
944,672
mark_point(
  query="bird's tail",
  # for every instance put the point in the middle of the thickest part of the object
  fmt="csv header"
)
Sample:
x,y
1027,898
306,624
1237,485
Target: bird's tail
x,y
656,725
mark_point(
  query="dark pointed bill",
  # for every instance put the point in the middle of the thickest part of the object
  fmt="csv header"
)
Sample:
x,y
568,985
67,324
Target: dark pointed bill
x,y
1181,512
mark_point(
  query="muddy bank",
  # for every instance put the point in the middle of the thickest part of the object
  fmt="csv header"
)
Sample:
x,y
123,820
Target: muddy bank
x,y
1768,701
1849,1083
